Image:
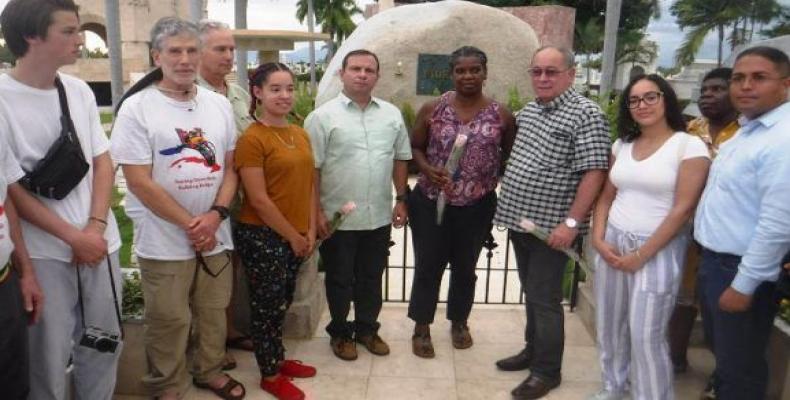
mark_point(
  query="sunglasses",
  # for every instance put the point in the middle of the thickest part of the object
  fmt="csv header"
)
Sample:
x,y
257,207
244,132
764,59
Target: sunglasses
x,y
551,73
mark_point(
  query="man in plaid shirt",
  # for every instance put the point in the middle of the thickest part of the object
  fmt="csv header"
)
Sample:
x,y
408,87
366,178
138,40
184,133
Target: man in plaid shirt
x,y
556,169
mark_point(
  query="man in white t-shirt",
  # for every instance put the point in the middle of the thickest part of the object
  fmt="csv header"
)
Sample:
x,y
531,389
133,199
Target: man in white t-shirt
x,y
174,141
19,290
71,241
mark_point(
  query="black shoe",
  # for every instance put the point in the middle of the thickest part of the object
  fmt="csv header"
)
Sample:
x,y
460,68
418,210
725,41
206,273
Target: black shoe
x,y
534,387
519,362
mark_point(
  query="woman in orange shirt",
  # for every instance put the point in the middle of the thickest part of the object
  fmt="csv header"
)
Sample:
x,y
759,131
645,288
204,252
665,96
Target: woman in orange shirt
x,y
276,229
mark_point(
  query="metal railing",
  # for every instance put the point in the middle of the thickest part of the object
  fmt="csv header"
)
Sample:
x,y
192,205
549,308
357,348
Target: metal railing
x,y
497,283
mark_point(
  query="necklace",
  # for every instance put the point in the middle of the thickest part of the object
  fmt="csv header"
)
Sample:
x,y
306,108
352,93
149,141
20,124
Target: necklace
x,y
189,94
287,145
291,145
186,92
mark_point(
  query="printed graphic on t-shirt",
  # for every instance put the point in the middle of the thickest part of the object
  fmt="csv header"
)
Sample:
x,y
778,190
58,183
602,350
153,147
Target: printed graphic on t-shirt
x,y
195,140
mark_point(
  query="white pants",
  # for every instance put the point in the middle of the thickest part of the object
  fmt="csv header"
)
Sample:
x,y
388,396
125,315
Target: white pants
x,y
56,336
632,313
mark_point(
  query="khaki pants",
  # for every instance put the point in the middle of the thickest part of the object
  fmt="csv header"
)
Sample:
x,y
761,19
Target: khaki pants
x,y
180,294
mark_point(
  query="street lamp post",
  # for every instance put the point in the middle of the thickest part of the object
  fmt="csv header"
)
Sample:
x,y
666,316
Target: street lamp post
x,y
113,17
311,29
240,19
609,46
195,10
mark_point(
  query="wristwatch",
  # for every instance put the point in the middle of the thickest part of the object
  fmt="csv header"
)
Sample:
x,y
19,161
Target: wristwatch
x,y
402,197
571,223
223,212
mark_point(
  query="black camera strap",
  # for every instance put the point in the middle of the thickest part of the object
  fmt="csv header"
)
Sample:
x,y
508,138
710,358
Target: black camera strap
x,y
114,296
201,263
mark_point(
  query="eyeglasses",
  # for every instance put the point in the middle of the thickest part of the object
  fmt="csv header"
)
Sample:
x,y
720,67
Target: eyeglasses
x,y
551,73
649,98
756,79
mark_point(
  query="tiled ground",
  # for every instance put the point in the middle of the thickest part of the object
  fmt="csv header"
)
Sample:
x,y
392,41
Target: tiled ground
x,y
453,374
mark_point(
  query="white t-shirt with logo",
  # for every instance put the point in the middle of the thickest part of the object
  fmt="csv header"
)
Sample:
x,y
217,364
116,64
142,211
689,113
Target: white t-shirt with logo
x,y
7,176
186,144
646,188
31,124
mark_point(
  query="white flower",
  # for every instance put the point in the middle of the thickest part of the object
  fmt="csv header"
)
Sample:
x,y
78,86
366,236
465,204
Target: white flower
x,y
528,225
348,208
460,140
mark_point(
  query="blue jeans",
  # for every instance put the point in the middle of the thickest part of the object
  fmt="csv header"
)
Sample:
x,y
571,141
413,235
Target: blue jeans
x,y
540,269
739,339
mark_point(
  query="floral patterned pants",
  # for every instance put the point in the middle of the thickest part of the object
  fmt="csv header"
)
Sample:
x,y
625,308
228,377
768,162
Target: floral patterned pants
x,y
271,268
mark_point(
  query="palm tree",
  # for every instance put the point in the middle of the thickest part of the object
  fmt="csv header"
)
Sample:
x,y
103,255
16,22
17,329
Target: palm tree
x,y
589,41
781,28
643,52
704,16
334,17
632,47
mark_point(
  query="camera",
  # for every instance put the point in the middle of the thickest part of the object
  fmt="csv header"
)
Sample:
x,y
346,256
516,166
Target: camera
x,y
100,340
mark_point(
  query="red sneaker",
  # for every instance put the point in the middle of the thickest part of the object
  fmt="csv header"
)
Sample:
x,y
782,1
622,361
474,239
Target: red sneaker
x,y
296,369
282,388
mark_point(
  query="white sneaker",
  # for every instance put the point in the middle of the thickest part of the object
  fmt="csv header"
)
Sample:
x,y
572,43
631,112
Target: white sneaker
x,y
607,395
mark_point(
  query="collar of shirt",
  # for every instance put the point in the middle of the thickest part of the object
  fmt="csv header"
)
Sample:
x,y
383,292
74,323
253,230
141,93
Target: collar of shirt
x,y
700,126
207,85
766,120
348,102
556,102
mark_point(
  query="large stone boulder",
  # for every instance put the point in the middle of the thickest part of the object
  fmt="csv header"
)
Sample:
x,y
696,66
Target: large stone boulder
x,y
399,35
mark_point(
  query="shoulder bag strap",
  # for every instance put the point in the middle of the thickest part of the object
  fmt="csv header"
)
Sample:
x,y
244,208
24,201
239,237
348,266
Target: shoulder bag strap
x,y
67,125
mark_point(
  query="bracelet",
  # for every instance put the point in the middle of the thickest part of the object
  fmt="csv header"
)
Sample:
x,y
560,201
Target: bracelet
x,y
97,219
638,255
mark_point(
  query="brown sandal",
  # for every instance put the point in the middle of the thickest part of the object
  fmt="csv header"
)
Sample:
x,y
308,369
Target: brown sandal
x,y
225,392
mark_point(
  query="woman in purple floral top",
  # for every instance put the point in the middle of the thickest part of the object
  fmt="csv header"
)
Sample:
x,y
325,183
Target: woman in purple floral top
x,y
468,194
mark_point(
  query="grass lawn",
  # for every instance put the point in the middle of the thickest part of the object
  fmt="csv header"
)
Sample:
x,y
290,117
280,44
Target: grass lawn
x,y
124,226
105,117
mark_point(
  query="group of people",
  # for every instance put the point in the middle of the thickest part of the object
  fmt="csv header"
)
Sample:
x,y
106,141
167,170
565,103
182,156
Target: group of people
x,y
220,181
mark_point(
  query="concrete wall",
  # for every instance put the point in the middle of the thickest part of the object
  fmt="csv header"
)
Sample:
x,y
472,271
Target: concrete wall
x,y
554,25
137,19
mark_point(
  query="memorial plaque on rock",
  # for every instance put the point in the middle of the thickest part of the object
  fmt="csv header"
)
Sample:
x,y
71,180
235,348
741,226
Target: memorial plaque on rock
x,y
433,74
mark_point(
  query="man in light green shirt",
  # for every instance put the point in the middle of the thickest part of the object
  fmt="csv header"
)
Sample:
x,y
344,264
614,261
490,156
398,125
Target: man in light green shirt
x,y
216,62
360,145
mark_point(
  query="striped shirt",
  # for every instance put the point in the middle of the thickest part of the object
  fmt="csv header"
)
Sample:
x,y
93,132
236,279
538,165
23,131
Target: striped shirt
x,y
556,143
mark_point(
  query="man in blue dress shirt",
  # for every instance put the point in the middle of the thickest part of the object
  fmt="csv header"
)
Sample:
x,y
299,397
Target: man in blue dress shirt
x,y
743,224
